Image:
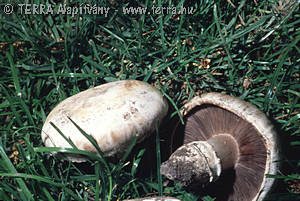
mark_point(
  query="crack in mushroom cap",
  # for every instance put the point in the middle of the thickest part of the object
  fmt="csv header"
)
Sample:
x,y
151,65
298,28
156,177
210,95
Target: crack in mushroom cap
x,y
215,113
111,113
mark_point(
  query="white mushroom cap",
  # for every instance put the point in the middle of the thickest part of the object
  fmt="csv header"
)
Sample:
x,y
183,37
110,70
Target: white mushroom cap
x,y
111,113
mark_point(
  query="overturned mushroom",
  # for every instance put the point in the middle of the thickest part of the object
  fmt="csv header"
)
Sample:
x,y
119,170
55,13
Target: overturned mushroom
x,y
111,113
224,133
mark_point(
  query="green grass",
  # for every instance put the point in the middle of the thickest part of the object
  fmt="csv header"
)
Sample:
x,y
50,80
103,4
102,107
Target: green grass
x,y
248,50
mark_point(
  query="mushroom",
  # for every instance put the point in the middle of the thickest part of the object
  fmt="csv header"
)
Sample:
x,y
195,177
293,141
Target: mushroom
x,y
223,134
111,113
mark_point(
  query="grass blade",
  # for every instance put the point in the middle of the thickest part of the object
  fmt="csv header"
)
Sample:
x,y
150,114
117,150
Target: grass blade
x,y
102,160
158,162
25,192
14,73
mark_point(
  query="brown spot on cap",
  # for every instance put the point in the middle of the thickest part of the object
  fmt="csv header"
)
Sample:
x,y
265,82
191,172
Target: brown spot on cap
x,y
126,116
131,83
133,110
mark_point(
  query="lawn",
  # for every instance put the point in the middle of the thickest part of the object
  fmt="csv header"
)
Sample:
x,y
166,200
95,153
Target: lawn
x,y
247,49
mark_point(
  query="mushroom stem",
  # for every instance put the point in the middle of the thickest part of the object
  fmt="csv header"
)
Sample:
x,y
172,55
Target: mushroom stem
x,y
226,148
201,162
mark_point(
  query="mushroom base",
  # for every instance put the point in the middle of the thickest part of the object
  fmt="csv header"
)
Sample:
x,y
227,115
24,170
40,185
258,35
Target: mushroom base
x,y
193,163
201,162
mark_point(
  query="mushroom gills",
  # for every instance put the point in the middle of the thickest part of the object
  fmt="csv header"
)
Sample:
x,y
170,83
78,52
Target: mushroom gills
x,y
219,133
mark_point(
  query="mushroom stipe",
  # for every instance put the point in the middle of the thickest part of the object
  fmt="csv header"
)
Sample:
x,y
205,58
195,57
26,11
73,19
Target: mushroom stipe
x,y
223,133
